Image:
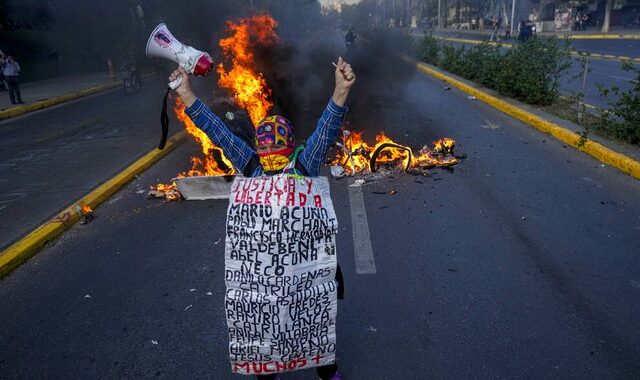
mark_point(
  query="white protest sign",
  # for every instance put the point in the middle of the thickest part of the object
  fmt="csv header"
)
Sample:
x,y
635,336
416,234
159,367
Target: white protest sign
x,y
280,269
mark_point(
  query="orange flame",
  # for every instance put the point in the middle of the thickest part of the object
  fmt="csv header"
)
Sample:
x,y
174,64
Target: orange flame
x,y
249,89
209,165
86,209
247,84
356,154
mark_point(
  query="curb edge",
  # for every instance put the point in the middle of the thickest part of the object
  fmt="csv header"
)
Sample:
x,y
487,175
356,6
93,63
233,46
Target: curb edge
x,y
19,252
596,150
41,104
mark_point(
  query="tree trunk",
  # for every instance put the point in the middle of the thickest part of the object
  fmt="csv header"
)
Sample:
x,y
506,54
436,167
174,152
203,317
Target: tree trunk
x,y
505,14
607,16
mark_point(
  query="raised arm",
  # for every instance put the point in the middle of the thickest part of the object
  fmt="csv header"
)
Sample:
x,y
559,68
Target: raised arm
x,y
329,124
238,151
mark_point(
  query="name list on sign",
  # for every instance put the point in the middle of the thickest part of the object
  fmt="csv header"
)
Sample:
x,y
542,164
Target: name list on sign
x,y
280,273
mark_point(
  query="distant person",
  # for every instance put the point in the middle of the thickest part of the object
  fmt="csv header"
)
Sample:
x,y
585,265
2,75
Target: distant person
x,y
507,31
495,29
584,19
522,31
11,70
2,82
577,25
533,29
350,38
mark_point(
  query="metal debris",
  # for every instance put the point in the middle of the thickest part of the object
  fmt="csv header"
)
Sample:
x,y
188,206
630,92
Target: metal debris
x,y
338,171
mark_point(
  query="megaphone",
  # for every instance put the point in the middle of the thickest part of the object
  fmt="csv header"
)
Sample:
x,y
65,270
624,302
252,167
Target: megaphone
x,y
163,44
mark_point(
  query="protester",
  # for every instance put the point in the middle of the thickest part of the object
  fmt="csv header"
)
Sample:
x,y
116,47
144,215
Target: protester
x,y
11,70
274,152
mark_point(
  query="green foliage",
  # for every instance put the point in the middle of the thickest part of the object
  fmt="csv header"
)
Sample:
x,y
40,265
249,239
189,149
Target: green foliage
x,y
533,71
622,119
530,72
429,50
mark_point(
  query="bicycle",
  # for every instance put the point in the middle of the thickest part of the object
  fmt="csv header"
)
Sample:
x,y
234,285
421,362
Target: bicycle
x,y
130,80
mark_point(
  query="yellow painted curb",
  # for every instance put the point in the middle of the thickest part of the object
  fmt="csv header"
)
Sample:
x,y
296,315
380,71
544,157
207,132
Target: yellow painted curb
x,y
22,250
477,42
602,153
509,46
16,111
604,37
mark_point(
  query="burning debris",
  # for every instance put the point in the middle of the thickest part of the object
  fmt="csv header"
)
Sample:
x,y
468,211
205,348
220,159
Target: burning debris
x,y
356,156
240,75
85,212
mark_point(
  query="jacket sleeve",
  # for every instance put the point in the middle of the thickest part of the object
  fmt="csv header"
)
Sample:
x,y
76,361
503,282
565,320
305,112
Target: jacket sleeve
x,y
236,150
318,144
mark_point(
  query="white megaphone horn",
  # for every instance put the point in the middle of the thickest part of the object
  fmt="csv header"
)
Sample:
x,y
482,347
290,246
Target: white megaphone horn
x,y
163,44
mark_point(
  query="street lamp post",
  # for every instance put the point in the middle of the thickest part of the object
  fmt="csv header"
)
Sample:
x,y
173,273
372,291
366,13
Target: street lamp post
x,y
513,9
439,17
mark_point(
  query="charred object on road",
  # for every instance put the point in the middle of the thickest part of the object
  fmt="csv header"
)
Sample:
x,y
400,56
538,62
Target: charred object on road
x,y
356,156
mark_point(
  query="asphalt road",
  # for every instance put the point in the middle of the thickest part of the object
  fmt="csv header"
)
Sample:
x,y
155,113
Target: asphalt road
x,y
522,263
53,157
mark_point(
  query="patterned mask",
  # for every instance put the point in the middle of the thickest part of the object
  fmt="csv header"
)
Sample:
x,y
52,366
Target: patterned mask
x,y
276,160
274,129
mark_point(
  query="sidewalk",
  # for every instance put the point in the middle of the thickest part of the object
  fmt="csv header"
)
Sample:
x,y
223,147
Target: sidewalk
x,y
49,89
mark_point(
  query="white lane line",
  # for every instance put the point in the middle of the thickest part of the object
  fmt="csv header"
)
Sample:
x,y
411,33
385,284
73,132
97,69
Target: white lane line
x,y
365,264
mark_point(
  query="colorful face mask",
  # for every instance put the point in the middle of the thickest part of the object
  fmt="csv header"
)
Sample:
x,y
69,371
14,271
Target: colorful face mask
x,y
276,160
274,129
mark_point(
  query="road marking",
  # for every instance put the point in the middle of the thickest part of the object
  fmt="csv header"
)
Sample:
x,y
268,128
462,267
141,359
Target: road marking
x,y
363,252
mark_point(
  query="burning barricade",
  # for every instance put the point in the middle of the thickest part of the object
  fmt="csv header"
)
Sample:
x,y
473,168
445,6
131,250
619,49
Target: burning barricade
x,y
356,156
241,77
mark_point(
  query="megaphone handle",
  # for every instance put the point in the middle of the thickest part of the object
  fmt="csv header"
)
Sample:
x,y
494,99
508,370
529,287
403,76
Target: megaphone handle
x,y
173,85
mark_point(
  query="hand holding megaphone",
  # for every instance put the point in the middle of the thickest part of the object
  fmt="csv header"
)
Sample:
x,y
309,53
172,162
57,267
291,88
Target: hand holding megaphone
x,y
183,88
163,44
